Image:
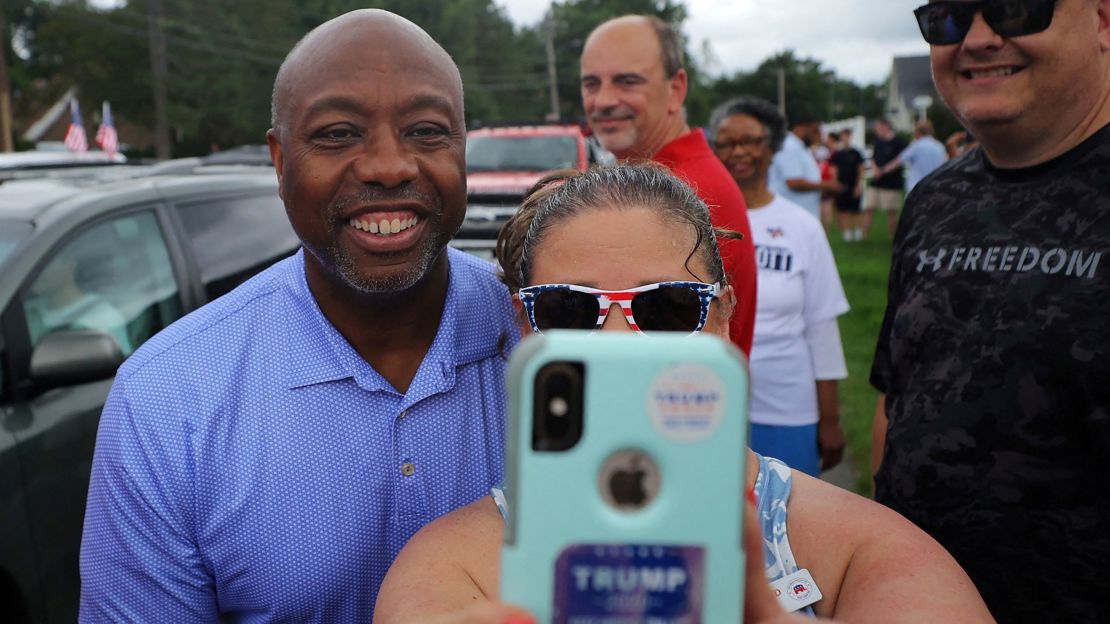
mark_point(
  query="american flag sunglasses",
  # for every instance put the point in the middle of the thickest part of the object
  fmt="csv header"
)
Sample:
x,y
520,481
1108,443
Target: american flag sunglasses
x,y
663,306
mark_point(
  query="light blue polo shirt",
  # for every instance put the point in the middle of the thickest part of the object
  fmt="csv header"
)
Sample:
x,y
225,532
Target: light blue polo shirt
x,y
250,463
793,161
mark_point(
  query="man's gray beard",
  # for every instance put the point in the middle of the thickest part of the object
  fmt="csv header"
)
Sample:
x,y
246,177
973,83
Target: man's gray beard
x,y
343,265
346,269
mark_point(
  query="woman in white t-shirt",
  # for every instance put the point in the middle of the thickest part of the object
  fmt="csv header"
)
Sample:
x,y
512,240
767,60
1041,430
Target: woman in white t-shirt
x,y
796,356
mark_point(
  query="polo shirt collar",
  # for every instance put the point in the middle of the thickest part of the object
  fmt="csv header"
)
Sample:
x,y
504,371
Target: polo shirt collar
x,y
682,148
317,353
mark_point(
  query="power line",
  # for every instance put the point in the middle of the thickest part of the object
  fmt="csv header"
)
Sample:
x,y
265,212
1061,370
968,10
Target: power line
x,y
169,23
181,41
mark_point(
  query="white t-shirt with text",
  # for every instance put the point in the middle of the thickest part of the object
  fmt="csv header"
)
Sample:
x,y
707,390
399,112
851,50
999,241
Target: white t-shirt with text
x,y
798,286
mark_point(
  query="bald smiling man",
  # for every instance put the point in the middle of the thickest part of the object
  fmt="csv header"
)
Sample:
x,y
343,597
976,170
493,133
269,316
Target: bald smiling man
x,y
266,458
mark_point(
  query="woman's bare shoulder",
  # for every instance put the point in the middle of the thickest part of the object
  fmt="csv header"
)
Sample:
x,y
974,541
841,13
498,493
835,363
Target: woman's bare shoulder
x,y
874,563
456,554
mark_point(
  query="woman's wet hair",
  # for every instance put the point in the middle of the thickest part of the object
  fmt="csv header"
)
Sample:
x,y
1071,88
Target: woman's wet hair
x,y
761,110
567,193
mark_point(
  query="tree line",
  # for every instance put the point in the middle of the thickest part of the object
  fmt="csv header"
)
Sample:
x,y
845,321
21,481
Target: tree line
x,y
221,57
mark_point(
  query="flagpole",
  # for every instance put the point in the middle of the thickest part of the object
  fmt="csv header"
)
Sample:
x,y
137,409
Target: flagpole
x,y
76,140
106,136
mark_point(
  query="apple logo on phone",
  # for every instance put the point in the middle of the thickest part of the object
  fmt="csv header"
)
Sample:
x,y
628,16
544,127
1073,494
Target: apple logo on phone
x,y
629,480
627,487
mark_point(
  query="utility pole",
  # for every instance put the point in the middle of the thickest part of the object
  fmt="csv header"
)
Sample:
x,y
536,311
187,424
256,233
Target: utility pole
x,y
830,80
782,92
5,91
552,82
158,78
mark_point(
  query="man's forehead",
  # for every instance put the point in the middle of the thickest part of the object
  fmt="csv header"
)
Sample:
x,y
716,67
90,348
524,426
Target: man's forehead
x,y
349,47
342,61
626,47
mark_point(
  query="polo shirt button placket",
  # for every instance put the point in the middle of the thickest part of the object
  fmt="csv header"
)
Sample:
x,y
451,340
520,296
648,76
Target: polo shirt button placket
x,y
409,485
407,467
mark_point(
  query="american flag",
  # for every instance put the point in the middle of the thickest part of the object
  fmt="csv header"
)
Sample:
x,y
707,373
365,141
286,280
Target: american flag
x,y
106,136
75,140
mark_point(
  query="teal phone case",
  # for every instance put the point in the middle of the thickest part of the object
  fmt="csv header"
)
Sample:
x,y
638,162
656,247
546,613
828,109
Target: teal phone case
x,y
682,401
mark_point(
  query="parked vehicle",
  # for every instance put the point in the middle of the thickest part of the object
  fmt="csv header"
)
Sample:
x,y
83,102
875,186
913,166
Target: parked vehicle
x,y
90,268
29,164
503,163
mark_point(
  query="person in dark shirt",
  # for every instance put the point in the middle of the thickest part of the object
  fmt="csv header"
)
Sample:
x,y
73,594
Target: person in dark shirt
x,y
848,165
885,191
993,432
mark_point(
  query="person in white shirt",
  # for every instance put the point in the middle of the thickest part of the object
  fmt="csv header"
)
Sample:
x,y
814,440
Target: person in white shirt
x,y
794,174
921,158
796,356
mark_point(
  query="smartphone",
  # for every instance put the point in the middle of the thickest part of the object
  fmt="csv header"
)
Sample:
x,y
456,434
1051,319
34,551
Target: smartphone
x,y
625,478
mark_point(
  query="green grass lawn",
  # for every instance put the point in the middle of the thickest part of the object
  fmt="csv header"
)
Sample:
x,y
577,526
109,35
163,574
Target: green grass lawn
x,y
864,267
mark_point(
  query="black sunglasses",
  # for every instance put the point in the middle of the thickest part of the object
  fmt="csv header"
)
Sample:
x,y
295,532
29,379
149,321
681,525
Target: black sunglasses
x,y
947,22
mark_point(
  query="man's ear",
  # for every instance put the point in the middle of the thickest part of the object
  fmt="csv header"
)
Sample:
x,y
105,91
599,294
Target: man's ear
x,y
275,155
679,85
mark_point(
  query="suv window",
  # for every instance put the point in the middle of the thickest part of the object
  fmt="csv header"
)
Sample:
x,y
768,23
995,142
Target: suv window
x,y
115,277
235,237
521,153
11,234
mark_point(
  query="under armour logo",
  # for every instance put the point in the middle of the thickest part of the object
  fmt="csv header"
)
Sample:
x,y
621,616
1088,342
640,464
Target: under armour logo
x,y
923,258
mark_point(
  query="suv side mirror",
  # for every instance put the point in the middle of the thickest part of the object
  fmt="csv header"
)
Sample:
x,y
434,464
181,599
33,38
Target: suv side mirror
x,y
74,356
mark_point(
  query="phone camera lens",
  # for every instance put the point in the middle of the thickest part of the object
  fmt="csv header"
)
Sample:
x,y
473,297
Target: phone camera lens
x,y
557,407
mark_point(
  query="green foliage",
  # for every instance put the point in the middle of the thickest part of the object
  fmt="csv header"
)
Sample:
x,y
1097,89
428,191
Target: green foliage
x,y
864,268
223,56
222,59
21,18
811,90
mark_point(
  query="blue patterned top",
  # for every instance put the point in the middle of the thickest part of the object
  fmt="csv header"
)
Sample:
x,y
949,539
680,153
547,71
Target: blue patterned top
x,y
250,463
772,493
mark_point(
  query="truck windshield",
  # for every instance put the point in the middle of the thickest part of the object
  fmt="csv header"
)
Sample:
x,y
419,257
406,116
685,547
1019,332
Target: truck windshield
x,y
11,234
521,153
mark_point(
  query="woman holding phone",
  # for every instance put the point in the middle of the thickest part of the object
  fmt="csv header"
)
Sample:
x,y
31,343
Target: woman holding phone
x,y
636,233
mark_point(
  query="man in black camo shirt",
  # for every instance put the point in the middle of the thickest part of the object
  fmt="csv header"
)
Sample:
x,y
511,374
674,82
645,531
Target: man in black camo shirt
x,y
993,432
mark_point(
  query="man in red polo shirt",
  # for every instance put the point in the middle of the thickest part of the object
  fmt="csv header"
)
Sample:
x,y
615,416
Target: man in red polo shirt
x,y
633,89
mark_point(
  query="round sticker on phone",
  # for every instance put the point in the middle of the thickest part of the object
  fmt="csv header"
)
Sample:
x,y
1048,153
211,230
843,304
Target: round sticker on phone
x,y
686,402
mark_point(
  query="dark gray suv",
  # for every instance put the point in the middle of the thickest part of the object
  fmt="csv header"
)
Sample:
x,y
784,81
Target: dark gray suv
x,y
89,269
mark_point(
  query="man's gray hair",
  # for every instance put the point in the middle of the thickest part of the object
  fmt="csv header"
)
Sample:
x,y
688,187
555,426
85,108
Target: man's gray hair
x,y
670,46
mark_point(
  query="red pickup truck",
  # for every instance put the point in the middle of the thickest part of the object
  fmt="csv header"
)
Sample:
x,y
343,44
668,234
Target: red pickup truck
x,y
503,163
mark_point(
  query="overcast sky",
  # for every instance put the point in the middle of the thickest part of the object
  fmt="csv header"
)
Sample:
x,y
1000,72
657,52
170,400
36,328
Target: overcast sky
x,y
855,38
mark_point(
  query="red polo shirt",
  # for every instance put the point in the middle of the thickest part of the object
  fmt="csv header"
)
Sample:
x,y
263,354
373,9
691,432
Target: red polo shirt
x,y
690,158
